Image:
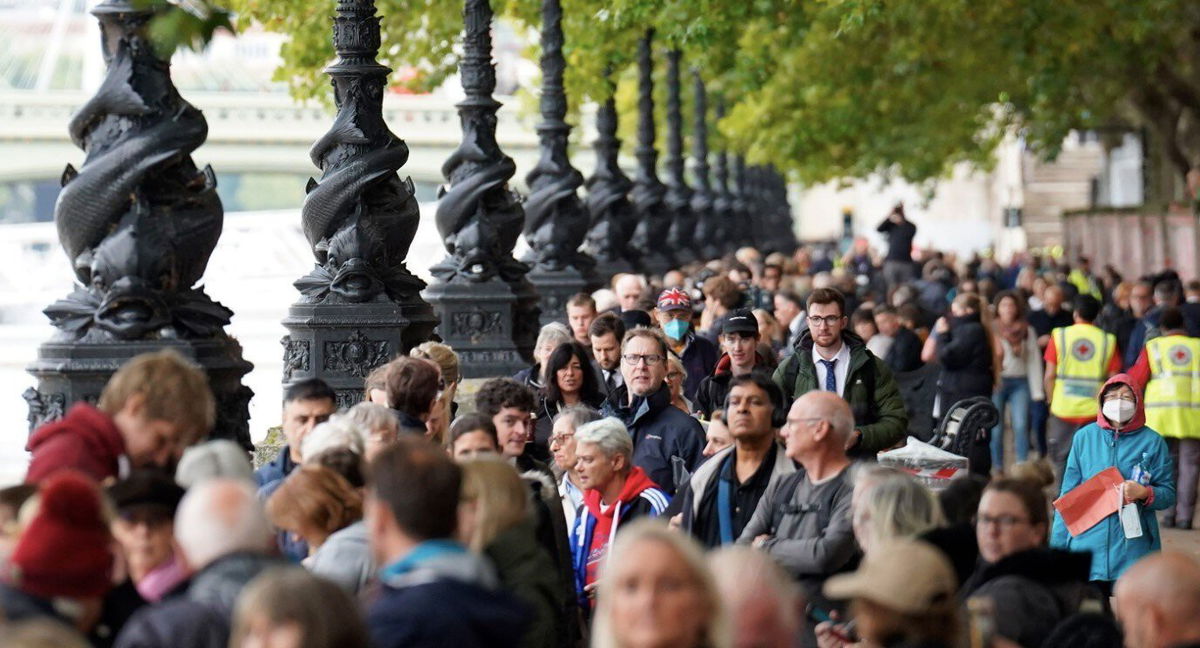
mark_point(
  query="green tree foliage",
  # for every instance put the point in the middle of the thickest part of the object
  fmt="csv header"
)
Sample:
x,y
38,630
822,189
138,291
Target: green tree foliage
x,y
184,23
830,89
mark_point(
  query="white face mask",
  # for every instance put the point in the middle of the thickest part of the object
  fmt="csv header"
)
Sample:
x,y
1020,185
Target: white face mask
x,y
1118,410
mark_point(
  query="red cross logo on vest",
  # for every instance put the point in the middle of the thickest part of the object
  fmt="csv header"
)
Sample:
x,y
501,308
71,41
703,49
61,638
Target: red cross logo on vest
x,y
1083,350
1180,355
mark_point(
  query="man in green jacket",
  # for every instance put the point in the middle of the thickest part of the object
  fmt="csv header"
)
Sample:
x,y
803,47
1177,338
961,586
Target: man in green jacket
x,y
830,358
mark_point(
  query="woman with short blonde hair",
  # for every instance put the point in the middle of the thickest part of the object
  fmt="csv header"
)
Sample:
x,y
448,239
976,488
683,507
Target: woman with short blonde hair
x,y
889,504
648,559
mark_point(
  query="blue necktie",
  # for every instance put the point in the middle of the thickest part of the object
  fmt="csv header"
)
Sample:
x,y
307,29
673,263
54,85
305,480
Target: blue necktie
x,y
830,376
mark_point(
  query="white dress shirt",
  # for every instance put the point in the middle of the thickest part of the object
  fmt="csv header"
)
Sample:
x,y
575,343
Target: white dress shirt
x,y
615,374
840,370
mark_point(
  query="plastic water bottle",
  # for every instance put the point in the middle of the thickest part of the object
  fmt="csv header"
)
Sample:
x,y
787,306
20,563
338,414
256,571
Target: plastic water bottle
x,y
1140,475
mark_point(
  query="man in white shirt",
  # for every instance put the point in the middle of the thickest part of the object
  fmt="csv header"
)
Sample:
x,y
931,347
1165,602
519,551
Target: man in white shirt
x,y
830,358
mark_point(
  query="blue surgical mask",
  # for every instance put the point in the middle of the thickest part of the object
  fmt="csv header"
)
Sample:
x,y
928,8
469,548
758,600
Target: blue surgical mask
x,y
676,329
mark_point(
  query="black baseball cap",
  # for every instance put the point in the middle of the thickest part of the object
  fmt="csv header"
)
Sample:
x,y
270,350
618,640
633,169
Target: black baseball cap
x,y
741,320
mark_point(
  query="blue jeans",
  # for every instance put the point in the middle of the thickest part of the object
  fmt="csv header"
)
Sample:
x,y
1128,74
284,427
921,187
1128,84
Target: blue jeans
x,y
1014,392
1038,418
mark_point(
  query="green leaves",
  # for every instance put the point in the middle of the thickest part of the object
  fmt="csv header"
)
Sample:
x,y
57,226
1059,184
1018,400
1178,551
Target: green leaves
x,y
184,23
826,89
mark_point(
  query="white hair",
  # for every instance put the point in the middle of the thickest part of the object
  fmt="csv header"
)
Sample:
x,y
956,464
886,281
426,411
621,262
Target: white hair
x,y
842,421
216,458
639,279
373,416
609,434
340,431
555,332
606,299
219,517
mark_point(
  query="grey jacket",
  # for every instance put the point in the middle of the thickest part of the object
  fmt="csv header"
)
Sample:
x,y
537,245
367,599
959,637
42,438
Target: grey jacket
x,y
811,535
345,558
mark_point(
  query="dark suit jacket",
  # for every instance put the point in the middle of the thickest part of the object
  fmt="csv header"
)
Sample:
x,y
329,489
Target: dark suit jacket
x,y
905,354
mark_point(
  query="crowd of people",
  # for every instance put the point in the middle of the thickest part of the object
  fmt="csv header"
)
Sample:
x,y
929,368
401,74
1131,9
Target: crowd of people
x,y
691,461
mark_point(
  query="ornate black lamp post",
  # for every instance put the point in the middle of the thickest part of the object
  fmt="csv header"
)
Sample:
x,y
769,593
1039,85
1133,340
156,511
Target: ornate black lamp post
x,y
743,204
488,309
679,195
724,226
556,222
757,202
787,232
706,241
653,219
612,217
360,305
138,222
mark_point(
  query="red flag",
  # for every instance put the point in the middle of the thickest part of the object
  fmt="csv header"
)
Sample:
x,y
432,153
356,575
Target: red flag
x,y
1093,500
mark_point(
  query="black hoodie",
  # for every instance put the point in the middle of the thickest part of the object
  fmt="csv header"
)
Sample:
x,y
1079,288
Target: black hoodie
x,y
1032,591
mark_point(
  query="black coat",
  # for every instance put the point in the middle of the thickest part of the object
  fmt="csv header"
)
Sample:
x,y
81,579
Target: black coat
x,y
905,354
200,615
1033,591
966,358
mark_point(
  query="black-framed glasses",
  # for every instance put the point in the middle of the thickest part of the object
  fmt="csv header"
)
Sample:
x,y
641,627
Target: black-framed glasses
x,y
828,320
651,359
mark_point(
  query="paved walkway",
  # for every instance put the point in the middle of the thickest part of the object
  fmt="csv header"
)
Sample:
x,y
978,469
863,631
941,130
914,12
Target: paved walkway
x,y
1185,541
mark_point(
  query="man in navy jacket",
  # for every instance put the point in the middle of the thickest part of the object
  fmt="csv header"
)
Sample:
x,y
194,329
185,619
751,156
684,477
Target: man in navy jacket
x,y
411,512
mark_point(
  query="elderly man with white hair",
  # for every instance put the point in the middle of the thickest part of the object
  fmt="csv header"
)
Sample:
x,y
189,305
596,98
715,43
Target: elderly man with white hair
x,y
226,540
615,492
803,520
631,289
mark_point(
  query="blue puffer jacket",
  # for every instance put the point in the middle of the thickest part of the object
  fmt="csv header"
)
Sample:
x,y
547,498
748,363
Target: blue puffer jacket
x,y
667,443
1096,447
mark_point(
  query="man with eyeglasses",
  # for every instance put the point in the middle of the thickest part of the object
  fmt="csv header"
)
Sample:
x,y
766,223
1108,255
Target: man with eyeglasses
x,y
739,337
667,443
803,520
832,359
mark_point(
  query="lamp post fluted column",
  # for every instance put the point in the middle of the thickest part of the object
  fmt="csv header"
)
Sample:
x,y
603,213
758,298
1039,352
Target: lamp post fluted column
x,y
678,199
612,217
555,219
138,222
360,305
706,241
653,219
743,204
723,205
488,309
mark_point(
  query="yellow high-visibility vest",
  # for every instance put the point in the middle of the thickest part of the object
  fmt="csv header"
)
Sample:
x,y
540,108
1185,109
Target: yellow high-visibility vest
x,y
1082,351
1173,393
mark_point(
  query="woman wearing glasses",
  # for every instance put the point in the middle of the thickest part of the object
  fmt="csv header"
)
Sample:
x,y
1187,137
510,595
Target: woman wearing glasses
x,y
1030,587
1120,438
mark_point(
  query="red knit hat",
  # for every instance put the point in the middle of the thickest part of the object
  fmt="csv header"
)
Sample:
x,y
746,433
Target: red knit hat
x,y
66,550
